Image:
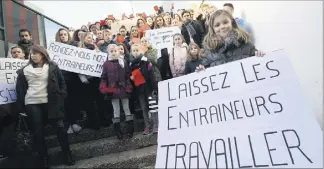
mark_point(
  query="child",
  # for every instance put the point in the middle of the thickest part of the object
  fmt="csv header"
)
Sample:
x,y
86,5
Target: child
x,y
178,56
108,39
151,55
193,59
115,83
144,82
226,42
122,37
123,52
100,38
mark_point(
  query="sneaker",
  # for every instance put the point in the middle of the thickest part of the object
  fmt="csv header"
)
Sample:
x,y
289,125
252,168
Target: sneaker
x,y
76,128
146,131
70,130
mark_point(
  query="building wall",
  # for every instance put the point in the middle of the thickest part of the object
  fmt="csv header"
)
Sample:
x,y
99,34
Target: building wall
x,y
18,17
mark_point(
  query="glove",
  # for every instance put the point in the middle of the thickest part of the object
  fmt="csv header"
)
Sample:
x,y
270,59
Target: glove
x,y
129,90
144,59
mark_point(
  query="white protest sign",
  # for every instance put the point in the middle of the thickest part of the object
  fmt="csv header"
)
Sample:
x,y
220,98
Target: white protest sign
x,y
162,38
7,93
248,113
78,60
8,78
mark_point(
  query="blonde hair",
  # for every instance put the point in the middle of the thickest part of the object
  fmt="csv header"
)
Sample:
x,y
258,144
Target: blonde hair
x,y
178,34
211,40
189,56
83,38
105,32
58,39
112,46
135,46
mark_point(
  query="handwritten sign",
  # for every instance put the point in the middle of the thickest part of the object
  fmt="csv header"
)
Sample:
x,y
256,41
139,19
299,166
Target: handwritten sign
x,y
8,78
244,114
162,38
78,60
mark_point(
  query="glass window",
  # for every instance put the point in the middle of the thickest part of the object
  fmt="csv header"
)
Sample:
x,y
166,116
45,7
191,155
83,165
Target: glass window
x,y
50,30
17,18
2,49
1,14
2,36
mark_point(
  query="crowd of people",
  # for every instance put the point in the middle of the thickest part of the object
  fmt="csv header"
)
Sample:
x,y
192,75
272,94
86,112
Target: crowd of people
x,y
209,37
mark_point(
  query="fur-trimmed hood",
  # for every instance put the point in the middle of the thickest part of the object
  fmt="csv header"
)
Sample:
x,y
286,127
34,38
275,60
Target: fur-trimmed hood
x,y
230,49
229,42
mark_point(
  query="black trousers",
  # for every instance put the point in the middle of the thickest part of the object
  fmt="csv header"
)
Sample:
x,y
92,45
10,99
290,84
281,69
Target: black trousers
x,y
37,119
7,132
89,100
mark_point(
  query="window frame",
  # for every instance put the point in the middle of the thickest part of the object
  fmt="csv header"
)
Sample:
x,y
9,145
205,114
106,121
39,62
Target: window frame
x,y
39,15
3,28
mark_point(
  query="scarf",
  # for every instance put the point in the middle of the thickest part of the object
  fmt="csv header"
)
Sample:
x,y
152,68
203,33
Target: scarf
x,y
191,30
90,46
120,60
30,70
230,41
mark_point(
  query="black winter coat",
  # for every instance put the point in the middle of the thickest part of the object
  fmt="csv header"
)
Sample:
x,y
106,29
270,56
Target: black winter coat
x,y
146,70
56,90
191,66
198,37
234,49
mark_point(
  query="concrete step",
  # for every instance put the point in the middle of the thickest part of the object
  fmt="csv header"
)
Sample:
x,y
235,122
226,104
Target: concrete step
x,y
127,159
148,167
88,134
101,147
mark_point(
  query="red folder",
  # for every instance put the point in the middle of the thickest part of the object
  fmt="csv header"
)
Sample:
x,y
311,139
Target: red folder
x,y
138,77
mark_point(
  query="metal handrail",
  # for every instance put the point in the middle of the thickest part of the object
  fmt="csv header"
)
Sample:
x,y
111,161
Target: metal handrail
x,y
38,13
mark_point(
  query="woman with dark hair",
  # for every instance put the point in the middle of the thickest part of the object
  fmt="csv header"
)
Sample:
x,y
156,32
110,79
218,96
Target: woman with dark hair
x,y
76,37
159,22
124,53
40,91
149,21
142,27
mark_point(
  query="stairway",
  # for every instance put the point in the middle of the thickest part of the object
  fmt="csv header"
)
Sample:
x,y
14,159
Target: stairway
x,y
101,149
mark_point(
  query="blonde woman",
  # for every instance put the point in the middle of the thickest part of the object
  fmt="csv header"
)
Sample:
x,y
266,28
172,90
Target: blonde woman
x,y
225,41
71,114
89,87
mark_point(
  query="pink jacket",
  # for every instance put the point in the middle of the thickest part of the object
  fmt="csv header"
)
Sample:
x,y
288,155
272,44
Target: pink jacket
x,y
177,60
